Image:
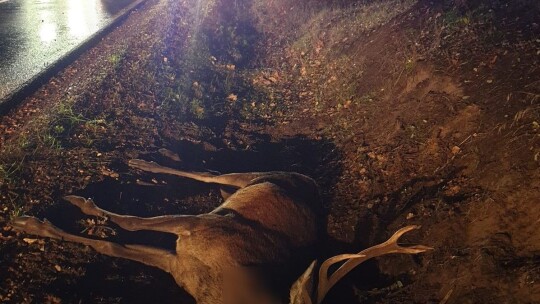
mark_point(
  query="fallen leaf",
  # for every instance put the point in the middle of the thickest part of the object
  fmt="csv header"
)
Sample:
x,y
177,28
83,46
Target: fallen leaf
x,y
143,183
108,172
29,241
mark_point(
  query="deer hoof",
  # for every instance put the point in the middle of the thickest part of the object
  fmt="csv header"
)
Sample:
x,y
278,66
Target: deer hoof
x,y
142,165
87,206
26,224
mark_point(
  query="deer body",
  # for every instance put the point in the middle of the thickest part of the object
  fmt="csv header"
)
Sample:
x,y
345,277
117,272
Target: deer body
x,y
227,256
260,224
270,217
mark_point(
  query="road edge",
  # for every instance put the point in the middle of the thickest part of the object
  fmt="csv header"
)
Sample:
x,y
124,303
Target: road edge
x,y
15,97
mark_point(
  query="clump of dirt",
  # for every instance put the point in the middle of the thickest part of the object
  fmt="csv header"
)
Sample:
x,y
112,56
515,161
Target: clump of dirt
x,y
435,111
405,112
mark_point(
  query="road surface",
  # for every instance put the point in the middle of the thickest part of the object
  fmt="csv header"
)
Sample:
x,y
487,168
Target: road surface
x,y
36,33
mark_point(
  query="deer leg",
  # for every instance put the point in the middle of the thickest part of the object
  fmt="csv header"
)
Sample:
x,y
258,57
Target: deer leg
x,y
166,223
236,180
144,254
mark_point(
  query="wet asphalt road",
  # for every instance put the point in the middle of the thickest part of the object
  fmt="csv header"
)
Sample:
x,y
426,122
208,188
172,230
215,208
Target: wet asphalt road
x,y
35,33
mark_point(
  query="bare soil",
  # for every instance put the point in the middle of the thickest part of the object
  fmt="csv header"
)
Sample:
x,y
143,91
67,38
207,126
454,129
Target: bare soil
x,y
405,112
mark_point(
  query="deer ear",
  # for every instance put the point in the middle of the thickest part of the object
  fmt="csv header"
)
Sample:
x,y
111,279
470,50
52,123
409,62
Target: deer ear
x,y
303,289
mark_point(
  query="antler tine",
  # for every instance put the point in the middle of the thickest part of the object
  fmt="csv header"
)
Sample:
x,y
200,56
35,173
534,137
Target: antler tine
x,y
392,242
302,290
323,270
390,246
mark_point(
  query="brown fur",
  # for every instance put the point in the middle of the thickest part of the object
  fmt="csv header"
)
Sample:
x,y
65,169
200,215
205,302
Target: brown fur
x,y
220,256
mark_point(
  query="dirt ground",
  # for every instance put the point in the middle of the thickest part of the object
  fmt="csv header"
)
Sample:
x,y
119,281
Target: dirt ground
x,y
405,112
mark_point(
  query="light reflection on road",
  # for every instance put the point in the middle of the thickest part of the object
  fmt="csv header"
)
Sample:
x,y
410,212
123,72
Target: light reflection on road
x,y
35,33
80,23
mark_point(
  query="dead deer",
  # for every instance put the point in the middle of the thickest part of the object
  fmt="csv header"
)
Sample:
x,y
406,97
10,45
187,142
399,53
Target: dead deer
x,y
269,218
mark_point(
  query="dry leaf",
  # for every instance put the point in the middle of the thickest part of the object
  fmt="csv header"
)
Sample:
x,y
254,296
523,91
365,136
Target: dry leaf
x,y
50,299
108,172
29,241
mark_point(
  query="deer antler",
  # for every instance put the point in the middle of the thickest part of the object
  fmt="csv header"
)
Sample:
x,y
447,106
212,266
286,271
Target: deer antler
x,y
390,246
302,289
